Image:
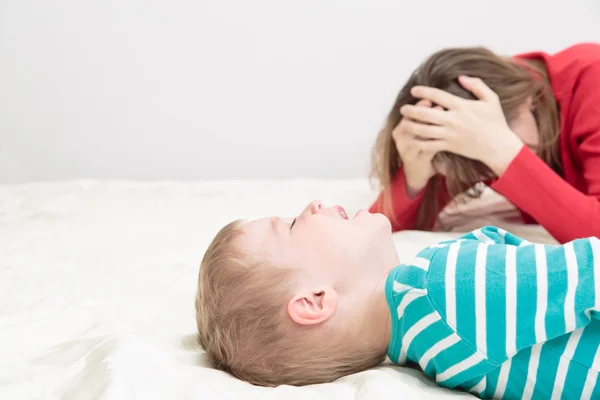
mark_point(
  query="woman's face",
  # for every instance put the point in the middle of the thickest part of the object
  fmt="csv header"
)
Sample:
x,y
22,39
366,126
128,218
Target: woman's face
x,y
525,125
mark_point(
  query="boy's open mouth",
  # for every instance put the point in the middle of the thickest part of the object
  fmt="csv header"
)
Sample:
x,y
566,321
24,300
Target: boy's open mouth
x,y
342,212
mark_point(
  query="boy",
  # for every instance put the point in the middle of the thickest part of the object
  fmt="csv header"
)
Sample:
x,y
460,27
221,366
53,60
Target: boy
x,y
321,296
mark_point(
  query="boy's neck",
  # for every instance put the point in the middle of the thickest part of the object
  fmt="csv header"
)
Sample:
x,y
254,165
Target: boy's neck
x,y
367,299
374,314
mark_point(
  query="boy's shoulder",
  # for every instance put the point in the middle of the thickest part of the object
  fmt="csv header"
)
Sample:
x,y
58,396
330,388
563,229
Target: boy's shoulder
x,y
415,272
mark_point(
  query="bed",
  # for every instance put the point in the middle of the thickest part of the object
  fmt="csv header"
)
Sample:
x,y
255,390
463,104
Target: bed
x,y
98,280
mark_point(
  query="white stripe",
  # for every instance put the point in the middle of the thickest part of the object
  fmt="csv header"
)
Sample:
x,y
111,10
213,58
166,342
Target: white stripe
x,y
451,285
590,383
596,362
563,364
434,350
482,237
511,301
542,293
595,243
414,330
400,287
458,368
480,304
524,243
420,262
502,379
534,362
479,387
502,234
409,298
572,281
592,377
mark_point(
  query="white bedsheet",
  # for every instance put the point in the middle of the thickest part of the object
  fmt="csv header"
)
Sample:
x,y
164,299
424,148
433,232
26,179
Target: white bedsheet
x,y
97,284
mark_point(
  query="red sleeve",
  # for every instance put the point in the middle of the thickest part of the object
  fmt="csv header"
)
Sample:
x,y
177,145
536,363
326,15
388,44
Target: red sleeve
x,y
405,208
531,185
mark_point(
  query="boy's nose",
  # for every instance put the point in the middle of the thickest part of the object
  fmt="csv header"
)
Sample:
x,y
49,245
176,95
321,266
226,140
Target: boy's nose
x,y
314,207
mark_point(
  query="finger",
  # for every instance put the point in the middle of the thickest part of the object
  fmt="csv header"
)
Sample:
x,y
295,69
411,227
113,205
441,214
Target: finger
x,y
424,131
397,131
478,88
406,149
433,116
424,103
399,137
437,96
411,151
430,147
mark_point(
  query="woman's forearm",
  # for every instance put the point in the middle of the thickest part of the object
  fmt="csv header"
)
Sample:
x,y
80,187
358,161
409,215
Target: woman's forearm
x,y
532,186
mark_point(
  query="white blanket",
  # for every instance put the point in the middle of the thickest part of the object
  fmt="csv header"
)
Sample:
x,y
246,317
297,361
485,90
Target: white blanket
x,y
97,284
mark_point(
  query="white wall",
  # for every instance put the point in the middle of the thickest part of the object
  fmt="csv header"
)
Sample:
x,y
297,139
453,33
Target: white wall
x,y
197,89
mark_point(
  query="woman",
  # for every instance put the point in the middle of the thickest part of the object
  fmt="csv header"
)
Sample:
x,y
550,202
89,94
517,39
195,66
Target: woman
x,y
528,127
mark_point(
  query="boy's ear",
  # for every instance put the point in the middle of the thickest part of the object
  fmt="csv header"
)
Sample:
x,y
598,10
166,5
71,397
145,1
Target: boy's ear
x,y
313,307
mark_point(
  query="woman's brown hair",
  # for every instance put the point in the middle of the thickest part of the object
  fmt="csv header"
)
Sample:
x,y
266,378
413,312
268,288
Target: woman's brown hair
x,y
513,80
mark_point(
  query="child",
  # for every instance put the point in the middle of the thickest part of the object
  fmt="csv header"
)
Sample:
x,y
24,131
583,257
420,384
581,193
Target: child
x,y
321,296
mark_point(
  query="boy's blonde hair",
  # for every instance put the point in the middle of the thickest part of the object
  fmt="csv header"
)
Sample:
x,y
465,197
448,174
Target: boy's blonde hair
x,y
243,324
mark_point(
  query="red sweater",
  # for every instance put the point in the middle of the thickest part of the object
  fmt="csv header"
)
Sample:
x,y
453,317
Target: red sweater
x,y
567,206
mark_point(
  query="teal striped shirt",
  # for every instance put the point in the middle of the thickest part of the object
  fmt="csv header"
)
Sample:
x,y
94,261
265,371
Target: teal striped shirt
x,y
500,317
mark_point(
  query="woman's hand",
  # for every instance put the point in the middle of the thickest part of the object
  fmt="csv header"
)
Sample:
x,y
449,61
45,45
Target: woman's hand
x,y
416,161
475,129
